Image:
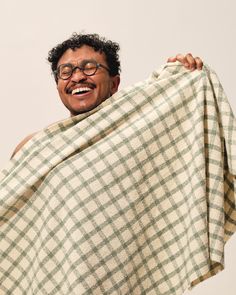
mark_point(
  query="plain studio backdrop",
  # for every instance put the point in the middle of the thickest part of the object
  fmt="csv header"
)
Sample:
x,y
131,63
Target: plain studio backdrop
x,y
148,32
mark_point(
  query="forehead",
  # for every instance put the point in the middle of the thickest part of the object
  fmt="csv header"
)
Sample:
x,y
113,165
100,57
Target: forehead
x,y
83,53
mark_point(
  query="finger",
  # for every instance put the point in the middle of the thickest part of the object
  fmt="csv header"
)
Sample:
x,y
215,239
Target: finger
x,y
191,61
181,58
171,59
199,63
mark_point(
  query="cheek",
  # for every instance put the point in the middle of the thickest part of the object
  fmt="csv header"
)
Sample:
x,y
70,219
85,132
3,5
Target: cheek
x,y
61,88
58,87
105,88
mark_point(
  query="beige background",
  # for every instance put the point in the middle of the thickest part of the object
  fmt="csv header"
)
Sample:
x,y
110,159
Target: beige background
x,y
148,31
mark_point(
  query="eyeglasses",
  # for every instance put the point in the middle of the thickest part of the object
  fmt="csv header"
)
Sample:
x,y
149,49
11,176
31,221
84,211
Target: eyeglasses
x,y
89,68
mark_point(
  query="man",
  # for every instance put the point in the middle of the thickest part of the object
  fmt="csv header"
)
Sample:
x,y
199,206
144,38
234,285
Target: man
x,y
86,68
118,201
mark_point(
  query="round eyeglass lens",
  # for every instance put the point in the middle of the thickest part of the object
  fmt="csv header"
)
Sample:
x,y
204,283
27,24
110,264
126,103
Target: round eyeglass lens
x,y
90,68
65,71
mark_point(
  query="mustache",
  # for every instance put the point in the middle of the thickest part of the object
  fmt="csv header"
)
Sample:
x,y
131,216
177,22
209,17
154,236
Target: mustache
x,y
86,84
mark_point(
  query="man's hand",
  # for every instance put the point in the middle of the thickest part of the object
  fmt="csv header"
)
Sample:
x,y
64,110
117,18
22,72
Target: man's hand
x,y
189,62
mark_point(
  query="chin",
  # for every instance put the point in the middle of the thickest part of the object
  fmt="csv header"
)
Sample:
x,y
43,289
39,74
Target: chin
x,y
81,110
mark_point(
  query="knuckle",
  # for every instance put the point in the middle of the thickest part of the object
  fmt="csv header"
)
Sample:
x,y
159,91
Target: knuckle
x,y
198,59
179,55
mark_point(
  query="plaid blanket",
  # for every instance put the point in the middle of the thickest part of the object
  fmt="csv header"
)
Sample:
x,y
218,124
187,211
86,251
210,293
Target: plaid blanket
x,y
134,197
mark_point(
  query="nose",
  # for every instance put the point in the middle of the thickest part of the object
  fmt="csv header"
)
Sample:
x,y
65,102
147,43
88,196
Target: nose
x,y
78,75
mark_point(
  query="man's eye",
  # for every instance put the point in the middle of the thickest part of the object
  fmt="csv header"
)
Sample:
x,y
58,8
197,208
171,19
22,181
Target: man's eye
x,y
65,71
89,66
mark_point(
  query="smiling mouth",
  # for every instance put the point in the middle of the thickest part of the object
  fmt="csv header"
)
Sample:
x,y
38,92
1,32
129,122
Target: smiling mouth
x,y
81,90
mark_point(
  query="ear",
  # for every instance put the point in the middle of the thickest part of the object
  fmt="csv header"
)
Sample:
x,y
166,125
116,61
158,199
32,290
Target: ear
x,y
115,82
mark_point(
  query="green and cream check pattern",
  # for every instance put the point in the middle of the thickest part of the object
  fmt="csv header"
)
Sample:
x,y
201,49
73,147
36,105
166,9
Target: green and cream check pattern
x,y
134,197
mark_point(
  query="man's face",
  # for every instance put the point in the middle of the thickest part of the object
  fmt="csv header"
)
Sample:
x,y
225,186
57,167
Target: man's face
x,y
81,93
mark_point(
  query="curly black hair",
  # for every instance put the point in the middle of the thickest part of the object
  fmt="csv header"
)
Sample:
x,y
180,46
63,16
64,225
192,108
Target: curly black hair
x,y
98,43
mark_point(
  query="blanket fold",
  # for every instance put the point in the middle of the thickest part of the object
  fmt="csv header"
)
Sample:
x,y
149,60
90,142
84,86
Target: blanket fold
x,y
134,197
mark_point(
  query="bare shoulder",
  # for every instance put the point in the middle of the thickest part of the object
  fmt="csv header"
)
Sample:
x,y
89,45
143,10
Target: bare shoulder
x,y
22,143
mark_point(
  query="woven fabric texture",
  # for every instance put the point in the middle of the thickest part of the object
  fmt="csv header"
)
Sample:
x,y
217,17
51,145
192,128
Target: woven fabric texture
x,y
134,197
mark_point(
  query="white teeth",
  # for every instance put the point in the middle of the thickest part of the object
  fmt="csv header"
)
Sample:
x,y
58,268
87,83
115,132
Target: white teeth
x,y
81,89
